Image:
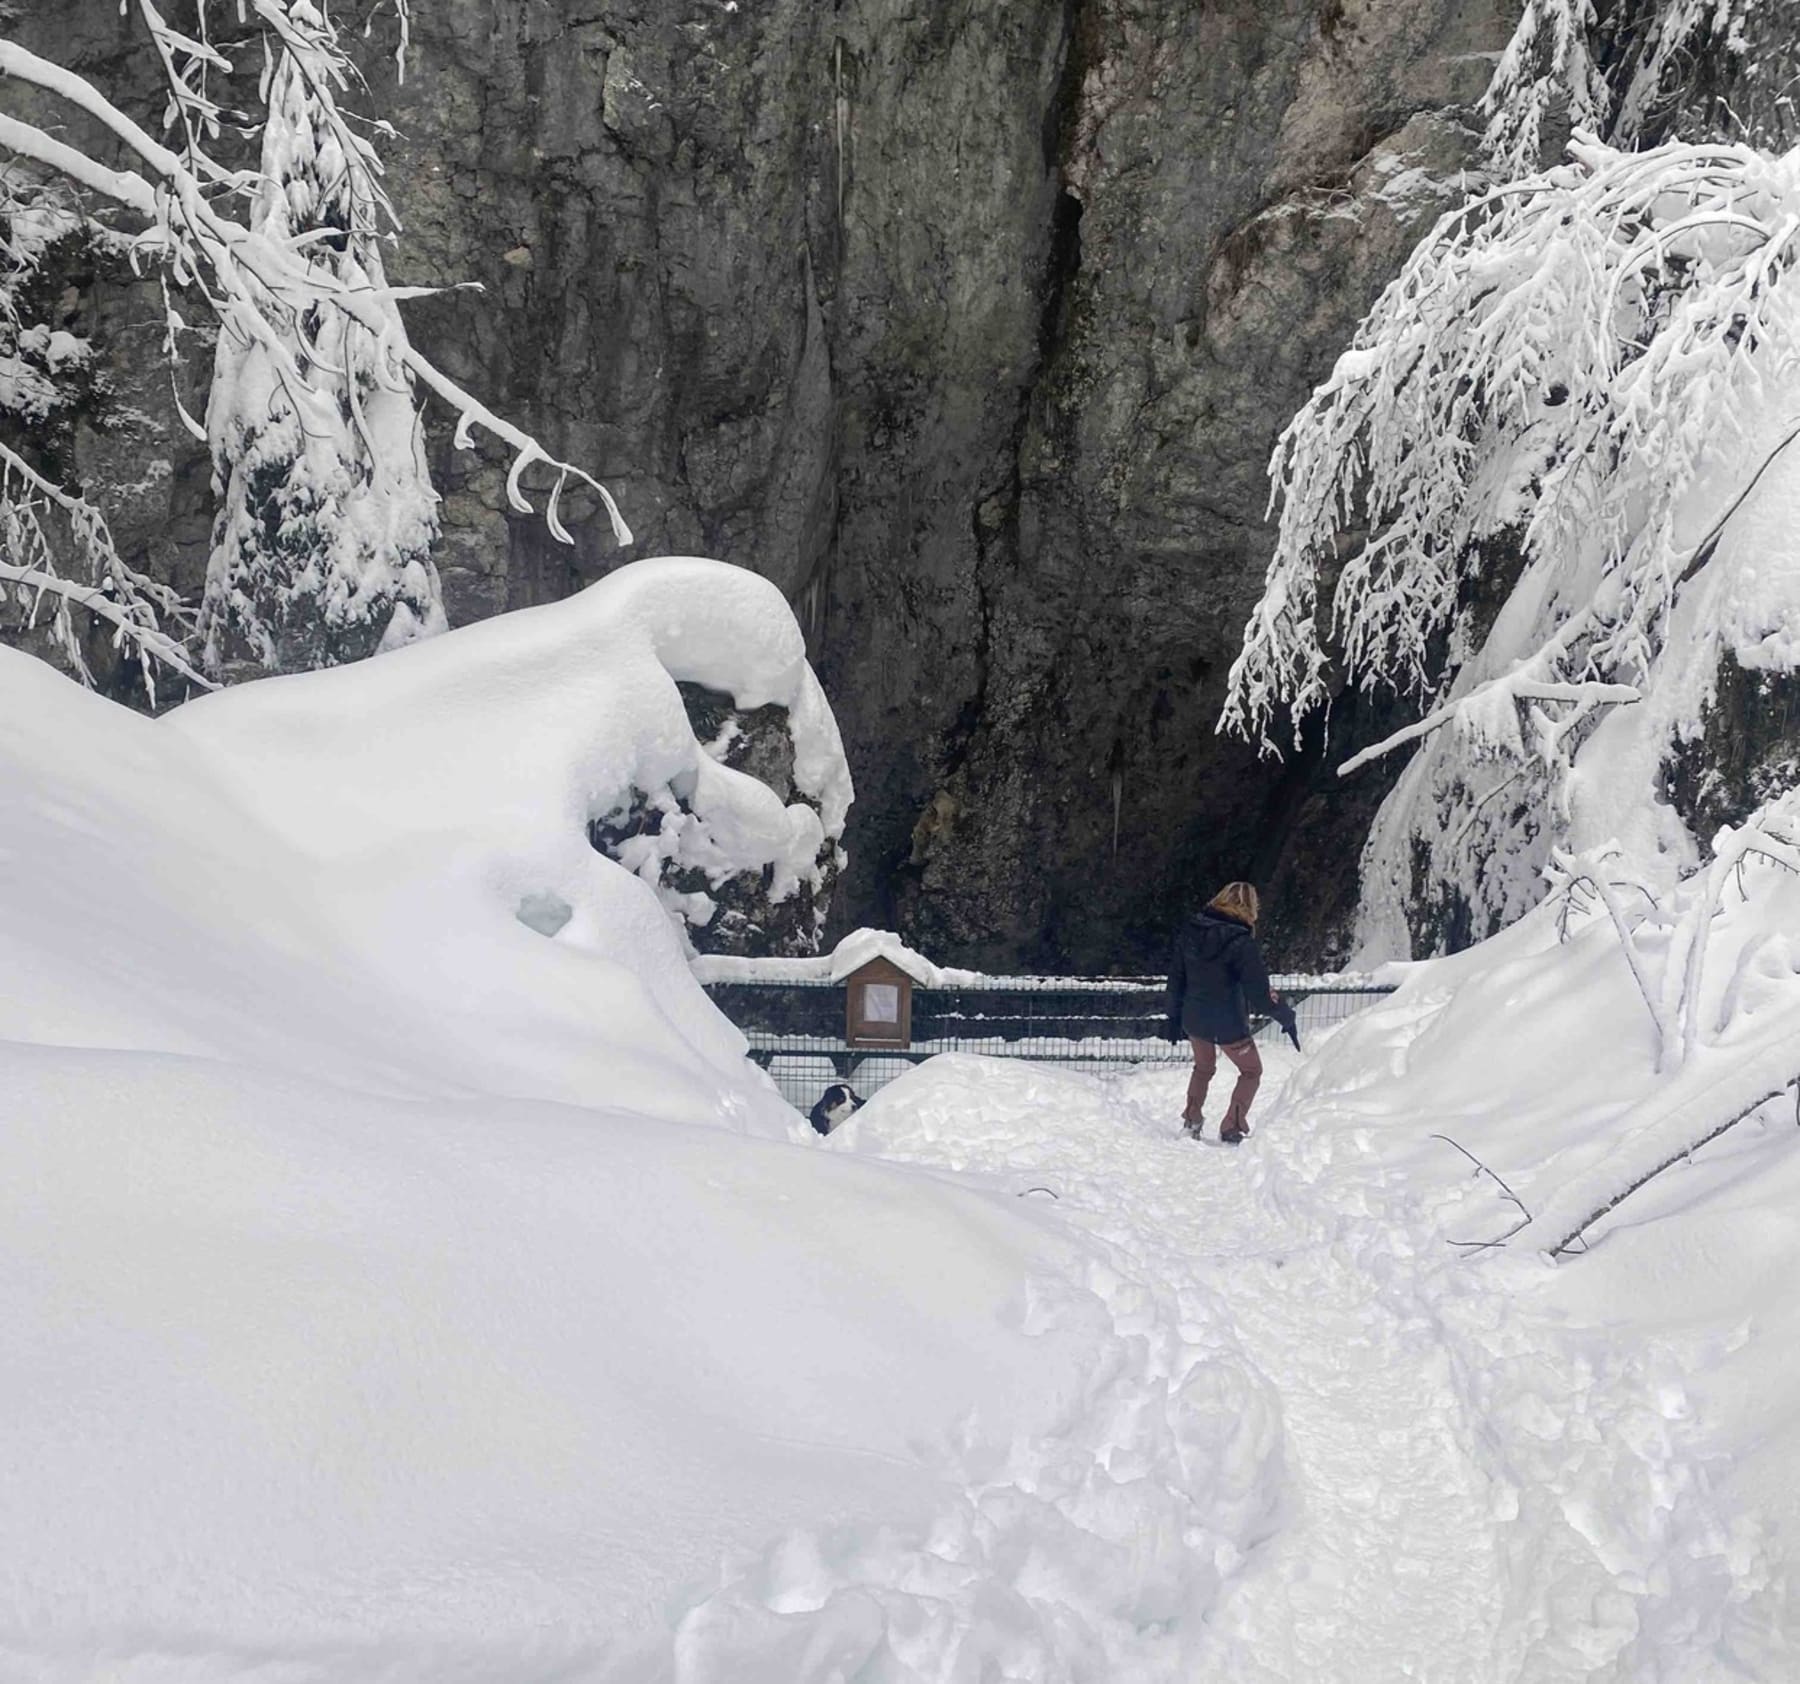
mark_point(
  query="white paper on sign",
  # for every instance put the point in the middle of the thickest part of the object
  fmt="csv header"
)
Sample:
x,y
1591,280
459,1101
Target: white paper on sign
x,y
881,1002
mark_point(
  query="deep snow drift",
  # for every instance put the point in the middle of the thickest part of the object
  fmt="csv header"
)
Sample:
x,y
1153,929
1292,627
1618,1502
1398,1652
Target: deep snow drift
x,y
1538,1052
346,1388
381,873
396,1288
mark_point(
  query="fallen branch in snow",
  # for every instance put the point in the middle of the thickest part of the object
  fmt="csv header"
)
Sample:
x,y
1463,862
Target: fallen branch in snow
x,y
1482,1169
1571,1235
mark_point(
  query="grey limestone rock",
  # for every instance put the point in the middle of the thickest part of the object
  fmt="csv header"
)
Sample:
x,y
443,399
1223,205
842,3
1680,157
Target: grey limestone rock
x,y
971,326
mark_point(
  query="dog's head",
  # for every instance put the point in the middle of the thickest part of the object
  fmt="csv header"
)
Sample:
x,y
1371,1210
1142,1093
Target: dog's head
x,y
837,1102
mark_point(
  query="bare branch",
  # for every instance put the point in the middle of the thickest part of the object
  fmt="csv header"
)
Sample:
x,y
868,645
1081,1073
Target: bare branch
x,y
1571,873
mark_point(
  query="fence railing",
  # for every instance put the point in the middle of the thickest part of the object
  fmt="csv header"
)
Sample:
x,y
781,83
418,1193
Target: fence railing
x,y
1101,1025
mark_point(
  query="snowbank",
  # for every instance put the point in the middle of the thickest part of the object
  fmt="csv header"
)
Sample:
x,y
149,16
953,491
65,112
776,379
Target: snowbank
x,y
381,873
1410,1467
1538,1055
374,1310
348,1387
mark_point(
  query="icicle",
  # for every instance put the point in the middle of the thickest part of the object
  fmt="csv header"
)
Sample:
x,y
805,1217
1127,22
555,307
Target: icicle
x,y
841,120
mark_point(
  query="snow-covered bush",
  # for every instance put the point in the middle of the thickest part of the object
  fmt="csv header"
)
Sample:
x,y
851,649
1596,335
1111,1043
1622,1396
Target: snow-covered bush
x,y
1718,968
325,500
1601,1040
508,740
1680,990
1575,397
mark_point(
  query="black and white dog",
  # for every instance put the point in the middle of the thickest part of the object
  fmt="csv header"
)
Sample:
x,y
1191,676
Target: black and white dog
x,y
835,1104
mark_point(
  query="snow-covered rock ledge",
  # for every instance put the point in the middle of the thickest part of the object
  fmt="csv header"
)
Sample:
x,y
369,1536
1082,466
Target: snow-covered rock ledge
x,y
391,860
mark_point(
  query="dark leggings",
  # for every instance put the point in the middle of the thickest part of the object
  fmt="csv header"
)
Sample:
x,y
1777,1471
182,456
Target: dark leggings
x,y
1206,1060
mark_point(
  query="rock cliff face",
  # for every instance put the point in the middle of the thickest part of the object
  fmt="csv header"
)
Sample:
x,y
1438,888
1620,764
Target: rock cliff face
x,y
970,325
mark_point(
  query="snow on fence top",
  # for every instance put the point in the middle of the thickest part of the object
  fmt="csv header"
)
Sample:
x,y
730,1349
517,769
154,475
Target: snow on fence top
x,y
829,970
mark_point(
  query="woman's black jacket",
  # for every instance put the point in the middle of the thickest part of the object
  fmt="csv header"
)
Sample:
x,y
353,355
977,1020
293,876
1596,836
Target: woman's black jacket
x,y
1217,978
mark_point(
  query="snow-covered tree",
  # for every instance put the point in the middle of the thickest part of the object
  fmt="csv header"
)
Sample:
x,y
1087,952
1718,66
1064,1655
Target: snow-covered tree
x,y
322,550
1572,389
1567,68
325,501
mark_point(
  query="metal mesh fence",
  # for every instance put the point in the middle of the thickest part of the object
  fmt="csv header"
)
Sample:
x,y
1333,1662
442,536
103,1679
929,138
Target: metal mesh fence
x,y
1098,1025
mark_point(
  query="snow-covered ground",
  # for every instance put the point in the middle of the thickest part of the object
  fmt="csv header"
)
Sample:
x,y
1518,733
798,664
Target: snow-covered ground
x,y
1483,1471
400,1283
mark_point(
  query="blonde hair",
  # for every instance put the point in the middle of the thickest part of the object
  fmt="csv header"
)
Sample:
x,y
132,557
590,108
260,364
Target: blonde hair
x,y
1237,900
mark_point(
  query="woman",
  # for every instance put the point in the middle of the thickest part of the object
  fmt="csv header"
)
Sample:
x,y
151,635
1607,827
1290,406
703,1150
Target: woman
x,y
1216,979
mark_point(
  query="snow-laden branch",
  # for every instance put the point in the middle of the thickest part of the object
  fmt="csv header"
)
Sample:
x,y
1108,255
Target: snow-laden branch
x,y
1559,368
26,66
254,281
36,584
1677,992
1598,873
1771,840
137,608
287,258
1551,73
1496,700
124,186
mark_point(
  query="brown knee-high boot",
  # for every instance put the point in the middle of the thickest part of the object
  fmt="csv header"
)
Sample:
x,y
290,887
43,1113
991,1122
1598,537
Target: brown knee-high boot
x,y
1206,1061
1249,1068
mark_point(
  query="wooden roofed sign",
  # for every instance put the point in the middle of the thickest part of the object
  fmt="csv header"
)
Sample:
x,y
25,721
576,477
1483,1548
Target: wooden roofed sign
x,y
878,1005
